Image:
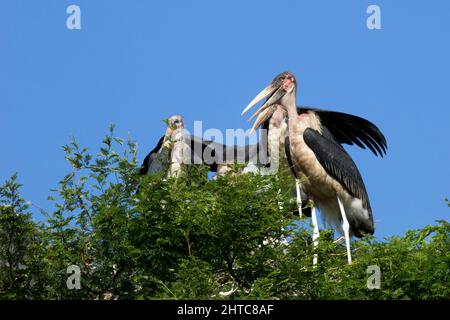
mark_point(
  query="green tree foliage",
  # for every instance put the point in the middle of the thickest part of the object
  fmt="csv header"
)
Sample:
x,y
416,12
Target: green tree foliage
x,y
195,238
22,259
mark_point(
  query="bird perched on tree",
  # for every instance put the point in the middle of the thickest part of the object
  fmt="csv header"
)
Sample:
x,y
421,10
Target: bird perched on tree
x,y
167,154
330,177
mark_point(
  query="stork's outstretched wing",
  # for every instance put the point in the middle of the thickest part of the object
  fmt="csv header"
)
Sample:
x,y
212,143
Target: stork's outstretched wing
x,y
350,129
336,161
212,153
205,152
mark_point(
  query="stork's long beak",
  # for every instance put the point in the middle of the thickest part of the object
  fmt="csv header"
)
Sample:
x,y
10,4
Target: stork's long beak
x,y
264,93
268,108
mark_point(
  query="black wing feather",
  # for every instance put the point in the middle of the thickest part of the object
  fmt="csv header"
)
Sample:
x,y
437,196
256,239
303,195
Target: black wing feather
x,y
350,129
151,156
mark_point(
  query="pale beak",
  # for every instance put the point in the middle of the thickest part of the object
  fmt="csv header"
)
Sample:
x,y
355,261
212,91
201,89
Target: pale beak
x,y
268,108
263,116
266,91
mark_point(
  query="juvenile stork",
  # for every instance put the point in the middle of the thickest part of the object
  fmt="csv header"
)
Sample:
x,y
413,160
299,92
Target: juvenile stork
x,y
330,177
167,154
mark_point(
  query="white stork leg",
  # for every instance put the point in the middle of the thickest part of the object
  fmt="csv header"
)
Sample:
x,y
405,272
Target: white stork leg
x,y
299,198
346,228
315,233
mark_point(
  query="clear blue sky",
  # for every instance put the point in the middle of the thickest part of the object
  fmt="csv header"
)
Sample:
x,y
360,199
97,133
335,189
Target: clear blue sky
x,y
134,63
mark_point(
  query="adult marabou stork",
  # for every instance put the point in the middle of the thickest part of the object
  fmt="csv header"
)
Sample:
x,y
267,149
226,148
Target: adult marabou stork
x,y
330,177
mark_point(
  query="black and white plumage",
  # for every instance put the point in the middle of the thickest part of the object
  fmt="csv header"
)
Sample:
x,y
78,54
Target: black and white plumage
x,y
338,127
338,164
331,178
349,129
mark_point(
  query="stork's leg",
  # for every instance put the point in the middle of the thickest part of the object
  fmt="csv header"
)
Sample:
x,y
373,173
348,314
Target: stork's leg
x,y
315,233
346,228
299,198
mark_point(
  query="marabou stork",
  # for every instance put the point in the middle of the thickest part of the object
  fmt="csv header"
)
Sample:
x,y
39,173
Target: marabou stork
x,y
330,177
